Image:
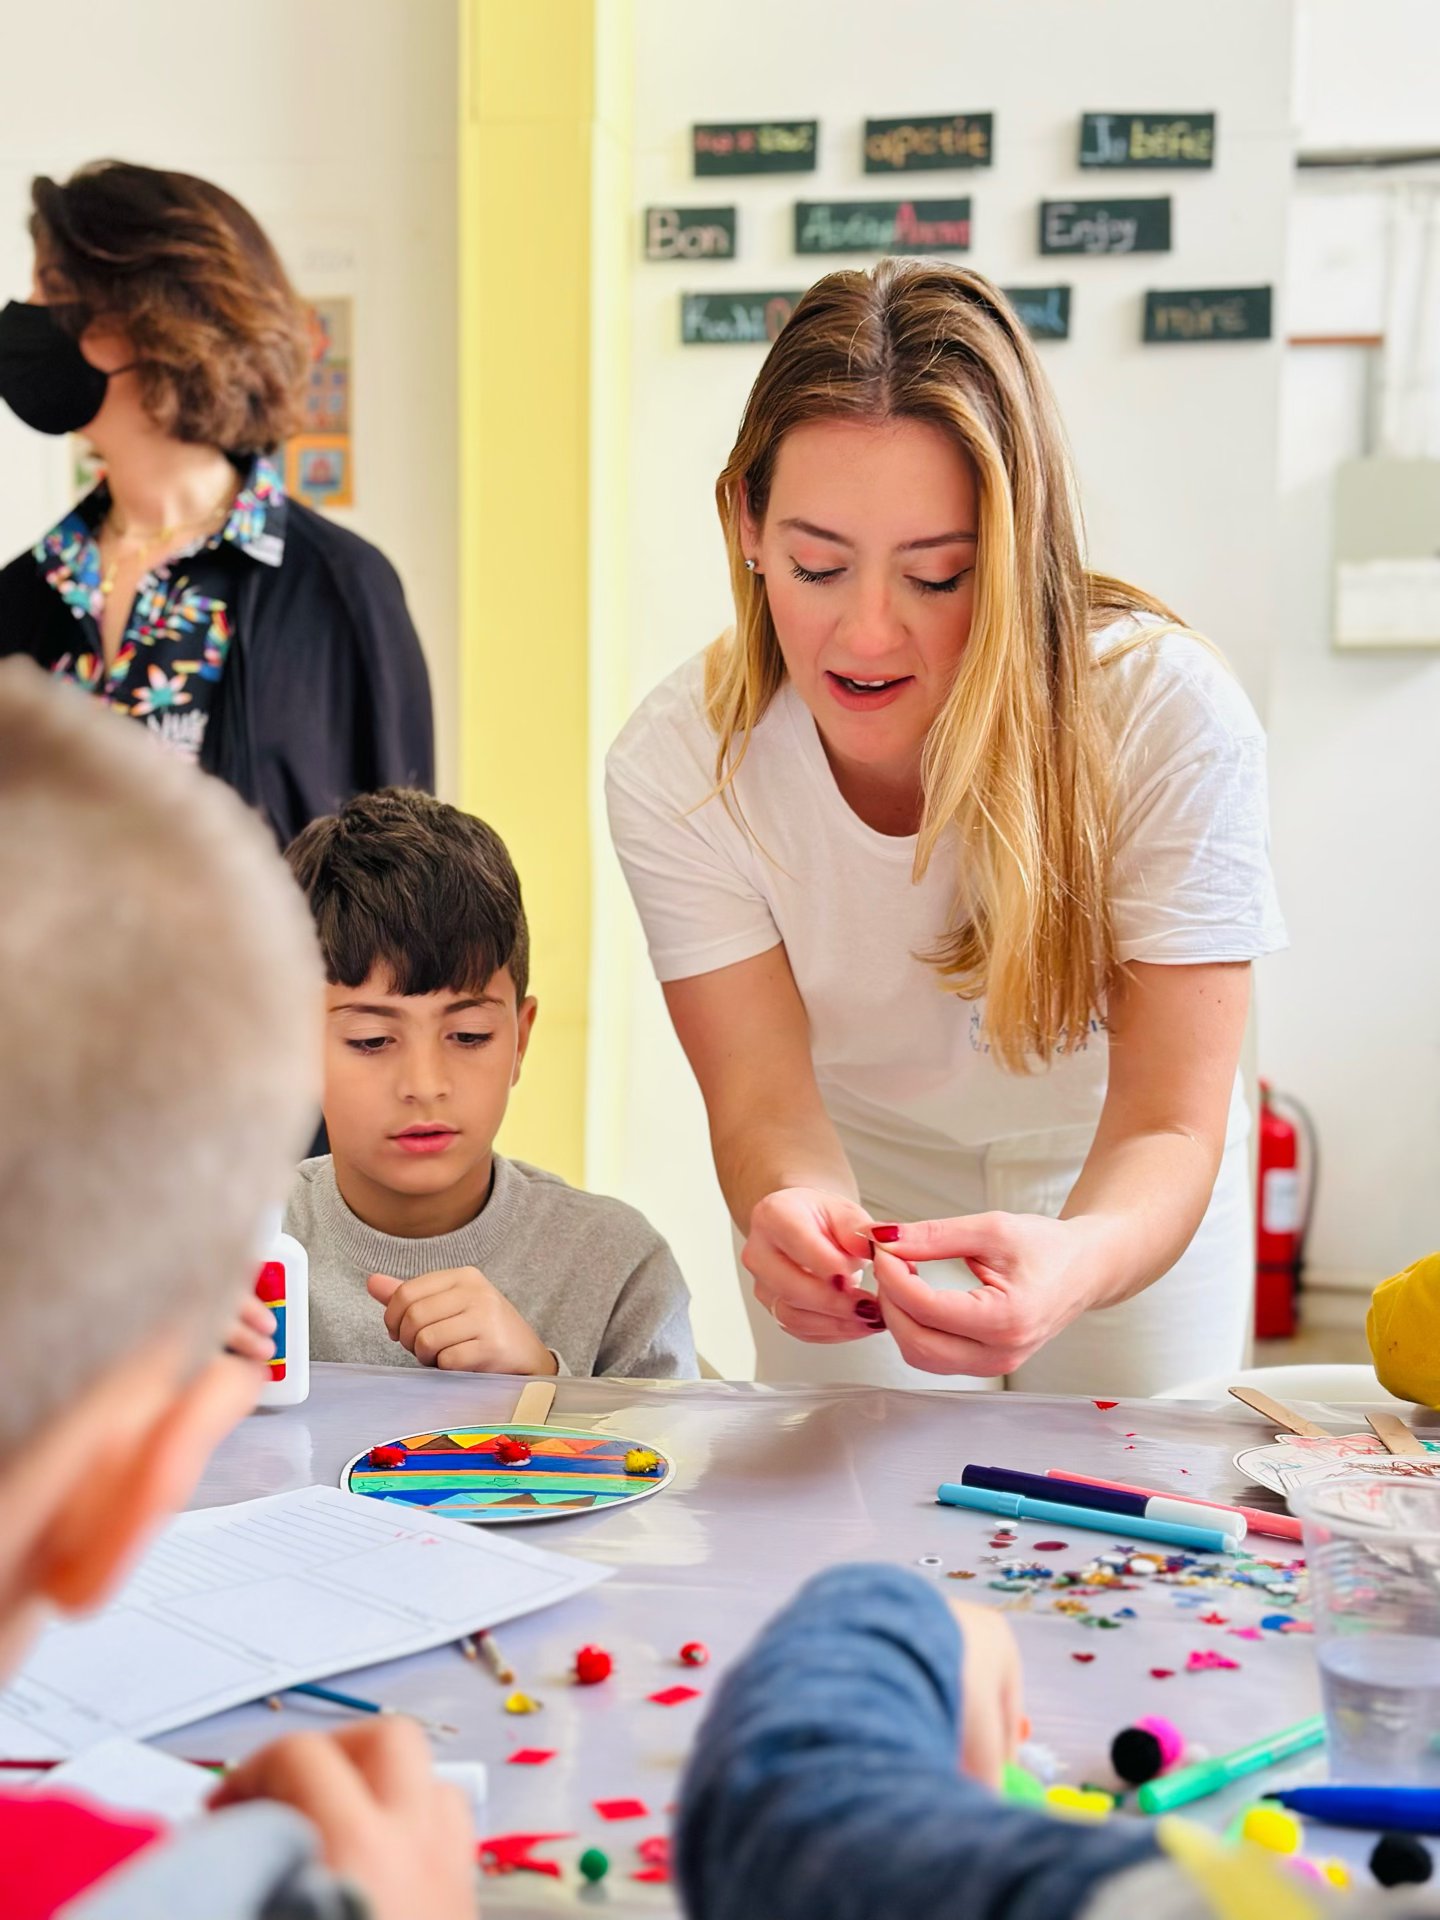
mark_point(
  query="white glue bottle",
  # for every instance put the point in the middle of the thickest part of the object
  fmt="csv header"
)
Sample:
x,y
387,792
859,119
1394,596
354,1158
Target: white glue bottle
x,y
283,1284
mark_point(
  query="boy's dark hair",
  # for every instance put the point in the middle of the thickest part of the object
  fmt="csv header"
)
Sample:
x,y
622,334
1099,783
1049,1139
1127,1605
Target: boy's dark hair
x,y
401,880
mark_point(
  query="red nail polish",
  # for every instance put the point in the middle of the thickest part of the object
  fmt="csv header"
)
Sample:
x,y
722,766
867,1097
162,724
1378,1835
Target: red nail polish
x,y
885,1234
839,1281
868,1310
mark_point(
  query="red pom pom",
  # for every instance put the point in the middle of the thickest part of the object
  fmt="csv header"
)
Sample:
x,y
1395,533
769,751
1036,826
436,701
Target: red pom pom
x,y
592,1665
511,1452
381,1457
694,1653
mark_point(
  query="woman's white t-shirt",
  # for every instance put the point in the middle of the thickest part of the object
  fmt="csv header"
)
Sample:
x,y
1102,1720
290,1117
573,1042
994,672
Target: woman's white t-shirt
x,y
902,1065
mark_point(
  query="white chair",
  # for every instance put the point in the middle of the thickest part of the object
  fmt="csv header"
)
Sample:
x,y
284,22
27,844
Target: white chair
x,y
1341,1386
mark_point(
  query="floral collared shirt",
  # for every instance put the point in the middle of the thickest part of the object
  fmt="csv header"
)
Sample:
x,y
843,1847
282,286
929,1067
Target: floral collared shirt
x,y
181,624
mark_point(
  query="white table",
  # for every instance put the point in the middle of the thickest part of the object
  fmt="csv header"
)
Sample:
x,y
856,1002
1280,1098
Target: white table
x,y
773,1483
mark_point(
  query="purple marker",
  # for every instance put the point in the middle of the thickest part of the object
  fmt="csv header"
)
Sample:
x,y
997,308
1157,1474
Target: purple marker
x,y
1138,1506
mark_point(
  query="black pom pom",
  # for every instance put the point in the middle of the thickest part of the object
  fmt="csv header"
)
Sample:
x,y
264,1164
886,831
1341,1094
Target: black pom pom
x,y
1136,1756
1400,1860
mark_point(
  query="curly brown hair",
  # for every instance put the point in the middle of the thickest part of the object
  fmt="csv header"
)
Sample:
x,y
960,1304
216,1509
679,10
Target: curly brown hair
x,y
221,340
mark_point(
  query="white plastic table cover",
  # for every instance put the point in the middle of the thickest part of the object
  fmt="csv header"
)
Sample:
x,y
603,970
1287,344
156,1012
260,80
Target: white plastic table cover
x,y
772,1484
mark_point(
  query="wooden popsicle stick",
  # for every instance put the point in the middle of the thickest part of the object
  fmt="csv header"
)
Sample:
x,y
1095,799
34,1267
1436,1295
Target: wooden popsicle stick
x,y
1395,1435
532,1409
1277,1411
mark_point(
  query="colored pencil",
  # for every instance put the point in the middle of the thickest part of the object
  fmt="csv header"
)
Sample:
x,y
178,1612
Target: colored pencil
x,y
482,1645
1282,1526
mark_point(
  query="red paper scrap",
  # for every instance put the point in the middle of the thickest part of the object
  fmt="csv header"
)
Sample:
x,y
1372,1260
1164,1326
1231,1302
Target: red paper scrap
x,y
1083,1658
653,1876
511,1853
672,1696
1162,1673
655,1851
621,1809
1105,1405
1212,1619
532,1756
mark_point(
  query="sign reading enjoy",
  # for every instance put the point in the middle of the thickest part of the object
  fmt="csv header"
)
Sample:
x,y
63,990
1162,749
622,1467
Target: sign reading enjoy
x,y
1208,313
1147,139
733,319
930,143
882,226
756,146
690,233
1044,312
1105,226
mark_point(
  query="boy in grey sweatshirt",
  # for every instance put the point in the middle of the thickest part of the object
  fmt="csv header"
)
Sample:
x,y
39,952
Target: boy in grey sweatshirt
x,y
426,1246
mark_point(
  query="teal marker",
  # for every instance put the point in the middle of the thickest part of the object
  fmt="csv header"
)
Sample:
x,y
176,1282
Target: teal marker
x,y
1209,1776
1120,1526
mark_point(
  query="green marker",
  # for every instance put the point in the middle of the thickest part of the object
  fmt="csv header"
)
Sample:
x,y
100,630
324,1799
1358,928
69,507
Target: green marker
x,y
1020,1786
1209,1776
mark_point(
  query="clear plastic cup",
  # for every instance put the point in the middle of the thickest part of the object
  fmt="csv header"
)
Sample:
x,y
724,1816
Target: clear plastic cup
x,y
1372,1545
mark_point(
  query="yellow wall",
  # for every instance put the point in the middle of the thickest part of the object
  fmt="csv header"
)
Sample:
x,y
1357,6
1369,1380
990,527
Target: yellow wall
x,y
527,73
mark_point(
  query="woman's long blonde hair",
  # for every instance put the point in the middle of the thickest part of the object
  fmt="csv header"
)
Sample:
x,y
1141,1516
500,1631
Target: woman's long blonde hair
x,y
1017,760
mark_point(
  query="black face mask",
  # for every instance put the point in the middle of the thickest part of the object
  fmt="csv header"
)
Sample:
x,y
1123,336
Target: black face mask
x,y
44,377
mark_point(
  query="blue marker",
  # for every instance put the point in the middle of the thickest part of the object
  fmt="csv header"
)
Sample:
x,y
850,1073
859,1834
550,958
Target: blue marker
x,y
1014,1506
1390,1809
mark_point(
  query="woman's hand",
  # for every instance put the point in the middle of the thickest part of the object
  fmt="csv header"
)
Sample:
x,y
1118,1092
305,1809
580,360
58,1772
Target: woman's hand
x,y
1037,1276
992,1701
456,1320
803,1249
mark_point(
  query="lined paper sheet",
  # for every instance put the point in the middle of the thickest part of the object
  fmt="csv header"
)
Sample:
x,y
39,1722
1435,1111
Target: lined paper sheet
x,y
232,1603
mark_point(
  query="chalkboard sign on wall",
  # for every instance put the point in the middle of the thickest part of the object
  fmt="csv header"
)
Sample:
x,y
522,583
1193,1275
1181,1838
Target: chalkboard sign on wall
x,y
690,233
1147,139
1105,226
733,319
756,146
930,142
1044,312
1207,313
882,226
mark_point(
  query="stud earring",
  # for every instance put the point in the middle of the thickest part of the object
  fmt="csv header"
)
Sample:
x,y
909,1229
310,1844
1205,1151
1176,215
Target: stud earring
x,y
750,566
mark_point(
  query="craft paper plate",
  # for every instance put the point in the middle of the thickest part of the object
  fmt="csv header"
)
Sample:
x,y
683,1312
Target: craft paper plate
x,y
1299,1461
456,1472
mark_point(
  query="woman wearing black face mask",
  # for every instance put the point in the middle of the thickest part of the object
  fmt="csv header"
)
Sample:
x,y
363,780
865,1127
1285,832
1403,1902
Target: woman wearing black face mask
x,y
187,591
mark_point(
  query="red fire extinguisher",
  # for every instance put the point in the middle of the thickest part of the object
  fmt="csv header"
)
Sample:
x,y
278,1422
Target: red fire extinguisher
x,y
1288,1166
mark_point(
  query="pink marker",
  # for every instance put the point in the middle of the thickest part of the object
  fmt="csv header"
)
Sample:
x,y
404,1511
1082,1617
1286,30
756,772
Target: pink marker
x,y
1281,1525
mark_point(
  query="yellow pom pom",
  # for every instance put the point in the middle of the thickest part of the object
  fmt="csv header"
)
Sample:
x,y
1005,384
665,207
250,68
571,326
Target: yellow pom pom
x,y
642,1460
1083,1803
1272,1828
1403,1328
1336,1872
521,1703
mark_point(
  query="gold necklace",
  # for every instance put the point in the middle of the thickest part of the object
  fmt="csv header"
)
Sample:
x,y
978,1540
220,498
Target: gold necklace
x,y
149,543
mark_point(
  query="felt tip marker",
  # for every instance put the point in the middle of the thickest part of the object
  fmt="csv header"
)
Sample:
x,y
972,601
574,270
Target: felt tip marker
x,y
1390,1809
1209,1776
1282,1526
1035,1486
1014,1506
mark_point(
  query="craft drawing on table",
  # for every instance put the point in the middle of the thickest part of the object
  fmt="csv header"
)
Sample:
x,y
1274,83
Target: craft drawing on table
x,y
1294,1461
495,1474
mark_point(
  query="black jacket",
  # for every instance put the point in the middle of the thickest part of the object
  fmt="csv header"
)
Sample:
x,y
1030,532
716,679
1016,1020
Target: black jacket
x,y
324,692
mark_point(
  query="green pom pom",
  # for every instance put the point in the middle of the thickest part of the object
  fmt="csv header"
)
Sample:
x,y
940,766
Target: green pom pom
x,y
594,1864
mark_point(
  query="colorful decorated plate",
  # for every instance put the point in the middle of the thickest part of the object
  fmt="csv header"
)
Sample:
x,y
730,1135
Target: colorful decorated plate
x,y
1300,1460
500,1474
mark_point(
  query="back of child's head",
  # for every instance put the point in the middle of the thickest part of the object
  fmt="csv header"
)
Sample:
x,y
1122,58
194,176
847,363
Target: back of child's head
x,y
401,881
159,1044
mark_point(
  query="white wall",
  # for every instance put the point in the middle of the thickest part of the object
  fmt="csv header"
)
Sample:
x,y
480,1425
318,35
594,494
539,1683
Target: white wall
x,y
334,122
1352,1012
1176,447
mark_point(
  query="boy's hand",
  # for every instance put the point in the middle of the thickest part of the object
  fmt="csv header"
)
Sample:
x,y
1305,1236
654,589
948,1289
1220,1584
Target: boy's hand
x,y
251,1332
991,1692
385,1822
455,1319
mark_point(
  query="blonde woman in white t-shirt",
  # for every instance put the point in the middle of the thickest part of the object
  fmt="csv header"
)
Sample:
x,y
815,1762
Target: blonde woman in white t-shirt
x,y
952,861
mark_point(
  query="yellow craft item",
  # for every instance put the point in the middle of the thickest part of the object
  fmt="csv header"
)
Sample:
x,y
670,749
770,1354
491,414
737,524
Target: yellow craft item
x,y
1272,1828
1084,1803
641,1460
521,1703
1403,1328
1336,1872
